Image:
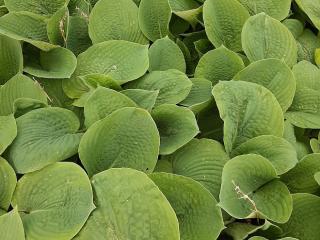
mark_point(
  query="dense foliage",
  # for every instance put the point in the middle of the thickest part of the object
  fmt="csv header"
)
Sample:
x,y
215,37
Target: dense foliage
x,y
159,119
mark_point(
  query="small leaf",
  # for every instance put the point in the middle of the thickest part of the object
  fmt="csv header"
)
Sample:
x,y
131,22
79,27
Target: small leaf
x,y
8,131
217,65
8,181
177,127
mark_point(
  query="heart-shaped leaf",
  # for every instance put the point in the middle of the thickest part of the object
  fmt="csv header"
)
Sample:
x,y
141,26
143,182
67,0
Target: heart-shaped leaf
x,y
202,160
55,202
248,186
123,197
126,138
223,21
115,20
45,136
197,211
177,126
265,37
248,110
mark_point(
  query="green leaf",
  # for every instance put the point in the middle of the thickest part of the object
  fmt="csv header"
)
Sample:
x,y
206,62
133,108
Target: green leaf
x,y
308,42
301,178
200,94
56,63
59,194
103,102
177,127
143,98
202,160
8,131
8,181
11,58
278,151
311,9
247,191
42,7
154,18
45,136
197,211
123,197
57,26
295,26
121,60
217,65
17,87
28,27
126,138
23,105
77,39
274,8
305,109
11,227
223,21
115,20
248,110
265,37
305,219
241,230
274,75
164,54
173,85
83,85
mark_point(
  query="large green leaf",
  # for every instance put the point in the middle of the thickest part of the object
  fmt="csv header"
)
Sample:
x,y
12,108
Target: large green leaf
x,y
301,178
265,37
273,74
126,138
217,65
165,54
304,222
121,60
42,7
249,183
143,98
8,131
115,20
8,183
274,8
45,136
154,18
11,59
248,110
17,87
55,202
28,27
129,206
278,151
201,160
173,85
102,103
177,126
199,216
223,22
11,227
56,63
311,8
